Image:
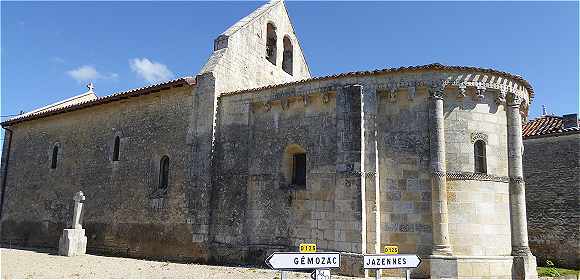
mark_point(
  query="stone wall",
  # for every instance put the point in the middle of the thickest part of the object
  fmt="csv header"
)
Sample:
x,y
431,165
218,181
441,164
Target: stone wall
x,y
404,173
120,216
479,220
258,210
551,169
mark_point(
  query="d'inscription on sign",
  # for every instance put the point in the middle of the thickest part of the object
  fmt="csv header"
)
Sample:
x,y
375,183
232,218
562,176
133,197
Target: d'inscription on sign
x,y
307,248
390,261
391,250
289,261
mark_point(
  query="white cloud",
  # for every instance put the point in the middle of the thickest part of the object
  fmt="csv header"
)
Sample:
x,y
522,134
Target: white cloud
x,y
87,73
84,73
150,71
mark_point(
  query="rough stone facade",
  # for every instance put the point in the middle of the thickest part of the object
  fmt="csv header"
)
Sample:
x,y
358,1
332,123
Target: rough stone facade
x,y
552,168
119,216
389,159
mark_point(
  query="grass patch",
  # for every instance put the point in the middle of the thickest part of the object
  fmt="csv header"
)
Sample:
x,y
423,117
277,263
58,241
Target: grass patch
x,y
555,271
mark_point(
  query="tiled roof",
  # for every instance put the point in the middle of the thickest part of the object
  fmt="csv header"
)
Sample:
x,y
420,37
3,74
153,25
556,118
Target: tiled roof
x,y
433,66
103,100
546,125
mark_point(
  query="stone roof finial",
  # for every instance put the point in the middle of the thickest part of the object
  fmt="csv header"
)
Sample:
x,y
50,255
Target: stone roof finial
x,y
91,87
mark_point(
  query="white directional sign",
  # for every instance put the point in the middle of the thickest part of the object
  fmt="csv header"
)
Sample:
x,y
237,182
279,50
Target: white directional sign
x,y
391,261
291,261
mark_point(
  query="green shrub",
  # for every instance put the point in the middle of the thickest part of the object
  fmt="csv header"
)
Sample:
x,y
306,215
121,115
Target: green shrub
x,y
551,270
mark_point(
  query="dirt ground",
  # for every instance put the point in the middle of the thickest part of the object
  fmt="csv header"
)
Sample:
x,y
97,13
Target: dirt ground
x,y
27,264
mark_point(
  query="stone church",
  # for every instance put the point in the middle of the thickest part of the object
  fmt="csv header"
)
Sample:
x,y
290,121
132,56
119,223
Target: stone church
x,y
253,155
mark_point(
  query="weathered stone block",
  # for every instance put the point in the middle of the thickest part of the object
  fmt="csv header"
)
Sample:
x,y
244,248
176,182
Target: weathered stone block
x,y
73,242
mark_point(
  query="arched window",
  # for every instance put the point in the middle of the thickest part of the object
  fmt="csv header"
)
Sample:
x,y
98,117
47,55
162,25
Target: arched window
x,y
271,43
287,56
294,166
54,159
299,169
116,148
164,172
479,156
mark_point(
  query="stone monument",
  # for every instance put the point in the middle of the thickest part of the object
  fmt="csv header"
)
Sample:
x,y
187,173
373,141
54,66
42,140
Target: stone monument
x,y
73,241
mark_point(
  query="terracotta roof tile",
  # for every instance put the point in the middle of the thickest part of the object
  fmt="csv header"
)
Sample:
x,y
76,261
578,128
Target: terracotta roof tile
x,y
546,125
433,66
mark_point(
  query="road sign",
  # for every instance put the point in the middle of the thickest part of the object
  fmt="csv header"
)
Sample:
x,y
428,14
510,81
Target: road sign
x,y
390,261
307,248
290,261
391,250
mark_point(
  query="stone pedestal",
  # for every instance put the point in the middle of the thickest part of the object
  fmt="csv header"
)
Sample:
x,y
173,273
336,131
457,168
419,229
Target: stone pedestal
x,y
441,267
525,267
73,242
471,267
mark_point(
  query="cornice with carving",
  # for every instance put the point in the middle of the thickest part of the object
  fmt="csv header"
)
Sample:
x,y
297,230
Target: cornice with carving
x,y
438,85
470,176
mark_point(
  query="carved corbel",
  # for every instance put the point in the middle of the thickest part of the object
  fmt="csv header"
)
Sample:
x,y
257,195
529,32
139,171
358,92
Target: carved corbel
x,y
305,99
461,91
325,97
480,91
392,94
412,91
501,95
284,103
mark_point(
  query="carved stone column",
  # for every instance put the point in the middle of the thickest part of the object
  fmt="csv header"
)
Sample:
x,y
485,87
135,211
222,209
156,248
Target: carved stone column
x,y
515,170
441,244
524,262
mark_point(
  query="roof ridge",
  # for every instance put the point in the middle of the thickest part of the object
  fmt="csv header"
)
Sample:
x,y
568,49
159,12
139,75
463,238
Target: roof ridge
x,y
101,100
54,104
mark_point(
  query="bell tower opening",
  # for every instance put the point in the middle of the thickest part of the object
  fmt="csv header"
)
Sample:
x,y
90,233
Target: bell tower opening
x,y
287,55
271,41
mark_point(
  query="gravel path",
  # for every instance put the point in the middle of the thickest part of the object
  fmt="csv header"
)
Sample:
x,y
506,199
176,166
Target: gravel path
x,y
18,264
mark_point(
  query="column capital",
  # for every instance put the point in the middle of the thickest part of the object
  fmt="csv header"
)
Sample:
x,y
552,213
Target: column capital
x,y
437,89
514,100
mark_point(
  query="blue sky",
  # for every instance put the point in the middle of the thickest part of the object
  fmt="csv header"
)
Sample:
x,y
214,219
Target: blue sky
x,y
49,50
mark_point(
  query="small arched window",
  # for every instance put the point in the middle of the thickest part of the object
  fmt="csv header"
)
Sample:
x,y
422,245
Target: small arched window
x,y
164,172
54,159
271,41
287,56
480,157
299,169
294,166
116,148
